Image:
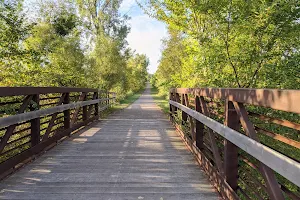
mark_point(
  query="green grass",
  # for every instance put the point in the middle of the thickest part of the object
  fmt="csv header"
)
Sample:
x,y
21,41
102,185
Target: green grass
x,y
160,100
130,99
124,103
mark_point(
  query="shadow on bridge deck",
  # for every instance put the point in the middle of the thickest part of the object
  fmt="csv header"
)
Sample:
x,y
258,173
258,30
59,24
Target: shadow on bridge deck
x,y
134,154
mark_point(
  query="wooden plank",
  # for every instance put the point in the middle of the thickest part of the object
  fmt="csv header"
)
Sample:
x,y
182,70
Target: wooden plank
x,y
285,100
134,154
280,163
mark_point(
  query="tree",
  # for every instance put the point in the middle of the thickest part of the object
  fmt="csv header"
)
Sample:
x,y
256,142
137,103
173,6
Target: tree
x,y
168,74
14,29
137,72
57,38
108,32
103,16
51,50
238,42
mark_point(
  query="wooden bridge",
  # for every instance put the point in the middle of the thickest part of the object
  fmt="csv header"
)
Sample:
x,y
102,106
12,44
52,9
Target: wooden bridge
x,y
229,143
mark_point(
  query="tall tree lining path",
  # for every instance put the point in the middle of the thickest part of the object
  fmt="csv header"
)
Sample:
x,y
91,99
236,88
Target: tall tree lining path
x,y
134,154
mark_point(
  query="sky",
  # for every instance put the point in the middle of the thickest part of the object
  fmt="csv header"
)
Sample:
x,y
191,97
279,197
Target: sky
x,y
146,33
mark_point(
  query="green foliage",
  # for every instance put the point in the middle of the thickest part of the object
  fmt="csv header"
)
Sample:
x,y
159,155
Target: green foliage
x,y
64,47
64,23
137,70
103,17
14,29
160,100
233,43
229,43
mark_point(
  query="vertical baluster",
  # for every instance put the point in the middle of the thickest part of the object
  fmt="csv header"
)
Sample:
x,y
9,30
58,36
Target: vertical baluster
x,y
96,94
67,117
84,109
170,106
183,114
35,123
199,126
108,102
231,151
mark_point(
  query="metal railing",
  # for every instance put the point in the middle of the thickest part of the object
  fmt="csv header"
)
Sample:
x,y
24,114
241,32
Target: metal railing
x,y
35,118
246,140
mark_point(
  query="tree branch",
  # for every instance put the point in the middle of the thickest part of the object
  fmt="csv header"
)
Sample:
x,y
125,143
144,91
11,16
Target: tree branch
x,y
259,66
227,46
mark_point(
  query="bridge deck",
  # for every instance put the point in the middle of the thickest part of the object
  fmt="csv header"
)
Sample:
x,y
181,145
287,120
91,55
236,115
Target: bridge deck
x,y
134,154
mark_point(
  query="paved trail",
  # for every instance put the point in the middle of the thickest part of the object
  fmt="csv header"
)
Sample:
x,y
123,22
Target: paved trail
x,y
134,154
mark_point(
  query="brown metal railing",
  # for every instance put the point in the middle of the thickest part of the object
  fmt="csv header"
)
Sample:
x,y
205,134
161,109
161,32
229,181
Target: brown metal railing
x,y
246,140
33,119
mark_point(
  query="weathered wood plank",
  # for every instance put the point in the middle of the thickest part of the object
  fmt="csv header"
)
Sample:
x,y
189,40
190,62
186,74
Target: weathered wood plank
x,y
134,154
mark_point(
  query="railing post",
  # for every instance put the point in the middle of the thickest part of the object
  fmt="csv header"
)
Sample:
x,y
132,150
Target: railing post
x,y
84,109
199,126
170,106
231,151
183,114
35,123
106,96
96,95
108,102
67,117
177,99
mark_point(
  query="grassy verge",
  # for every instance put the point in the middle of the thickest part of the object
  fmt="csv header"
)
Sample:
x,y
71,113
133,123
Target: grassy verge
x,y
122,104
160,100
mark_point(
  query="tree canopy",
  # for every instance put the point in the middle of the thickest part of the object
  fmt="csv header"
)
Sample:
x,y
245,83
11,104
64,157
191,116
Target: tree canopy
x,y
229,43
70,43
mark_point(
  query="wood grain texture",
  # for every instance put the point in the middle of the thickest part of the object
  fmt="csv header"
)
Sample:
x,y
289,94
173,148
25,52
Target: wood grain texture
x,y
134,154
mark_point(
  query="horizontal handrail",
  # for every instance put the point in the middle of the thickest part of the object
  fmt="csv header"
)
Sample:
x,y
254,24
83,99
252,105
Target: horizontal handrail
x,y
44,126
280,163
285,100
14,119
15,91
